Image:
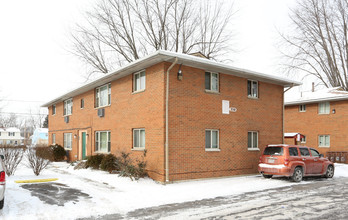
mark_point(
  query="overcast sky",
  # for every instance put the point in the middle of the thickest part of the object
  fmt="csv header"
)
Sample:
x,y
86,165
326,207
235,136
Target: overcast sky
x,y
37,67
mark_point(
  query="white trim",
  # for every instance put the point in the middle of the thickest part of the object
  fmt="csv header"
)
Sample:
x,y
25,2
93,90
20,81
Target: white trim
x,y
97,96
134,81
253,149
212,149
65,140
301,109
55,109
325,111
139,148
211,139
71,107
325,137
252,140
251,89
108,134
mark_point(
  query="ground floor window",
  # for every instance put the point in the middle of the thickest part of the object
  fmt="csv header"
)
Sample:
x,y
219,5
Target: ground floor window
x,y
53,138
253,140
324,140
138,138
68,140
102,141
211,139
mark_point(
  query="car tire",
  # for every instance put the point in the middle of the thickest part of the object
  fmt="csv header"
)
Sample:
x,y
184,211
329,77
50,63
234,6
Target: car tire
x,y
330,171
297,175
267,176
2,203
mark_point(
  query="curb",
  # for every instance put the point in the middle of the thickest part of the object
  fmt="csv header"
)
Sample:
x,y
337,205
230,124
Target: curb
x,y
36,181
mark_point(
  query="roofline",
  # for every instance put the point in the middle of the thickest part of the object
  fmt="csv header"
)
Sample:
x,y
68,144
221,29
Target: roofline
x,y
340,98
168,56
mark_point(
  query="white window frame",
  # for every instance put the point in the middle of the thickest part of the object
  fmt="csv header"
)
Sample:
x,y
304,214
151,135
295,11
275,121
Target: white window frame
x,y
323,144
54,109
210,148
250,92
98,95
67,139
53,138
82,103
68,105
303,140
302,108
139,147
323,108
136,87
253,141
210,89
98,141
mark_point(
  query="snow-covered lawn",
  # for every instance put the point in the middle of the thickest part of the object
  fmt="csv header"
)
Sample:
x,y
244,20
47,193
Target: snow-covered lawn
x,y
111,194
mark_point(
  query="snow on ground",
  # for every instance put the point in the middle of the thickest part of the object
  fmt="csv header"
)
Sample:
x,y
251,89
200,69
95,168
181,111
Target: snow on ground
x,y
111,194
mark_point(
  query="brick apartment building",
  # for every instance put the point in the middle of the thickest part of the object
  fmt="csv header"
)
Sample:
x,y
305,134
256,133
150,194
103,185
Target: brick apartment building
x,y
218,117
321,117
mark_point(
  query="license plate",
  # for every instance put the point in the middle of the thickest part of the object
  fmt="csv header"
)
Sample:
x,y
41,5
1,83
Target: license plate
x,y
270,160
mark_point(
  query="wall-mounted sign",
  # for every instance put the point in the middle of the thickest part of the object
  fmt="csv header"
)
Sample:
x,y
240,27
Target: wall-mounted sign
x,y
225,107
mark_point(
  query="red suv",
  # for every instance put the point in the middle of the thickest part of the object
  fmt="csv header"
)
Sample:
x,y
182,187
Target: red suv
x,y
295,162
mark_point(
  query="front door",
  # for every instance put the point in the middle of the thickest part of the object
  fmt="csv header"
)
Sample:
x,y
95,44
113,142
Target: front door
x,y
83,145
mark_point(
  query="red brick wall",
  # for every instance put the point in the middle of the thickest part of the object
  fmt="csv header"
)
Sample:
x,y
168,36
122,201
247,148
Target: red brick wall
x,y
192,110
311,124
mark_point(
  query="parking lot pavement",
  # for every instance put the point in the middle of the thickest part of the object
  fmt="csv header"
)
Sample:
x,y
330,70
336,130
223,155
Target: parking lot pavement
x,y
55,193
319,198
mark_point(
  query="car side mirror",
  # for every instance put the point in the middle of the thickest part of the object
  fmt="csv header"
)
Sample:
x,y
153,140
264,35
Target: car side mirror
x,y
321,155
2,157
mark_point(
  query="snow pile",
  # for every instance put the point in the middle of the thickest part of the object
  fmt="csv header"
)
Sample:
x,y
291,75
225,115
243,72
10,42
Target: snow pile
x,y
111,194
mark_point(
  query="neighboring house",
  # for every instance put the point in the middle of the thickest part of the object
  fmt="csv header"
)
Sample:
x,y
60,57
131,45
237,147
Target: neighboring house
x,y
218,117
321,117
10,136
39,137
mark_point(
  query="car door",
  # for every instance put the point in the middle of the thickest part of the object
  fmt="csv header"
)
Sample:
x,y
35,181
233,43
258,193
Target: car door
x,y
307,159
317,162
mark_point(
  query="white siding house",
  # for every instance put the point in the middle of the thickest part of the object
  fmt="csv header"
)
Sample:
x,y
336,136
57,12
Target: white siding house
x,y
10,136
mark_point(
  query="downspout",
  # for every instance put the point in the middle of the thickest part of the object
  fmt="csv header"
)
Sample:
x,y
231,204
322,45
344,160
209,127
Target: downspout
x,y
167,127
292,85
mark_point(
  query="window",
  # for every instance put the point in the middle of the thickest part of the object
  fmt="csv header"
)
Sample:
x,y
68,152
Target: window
x,y
53,109
304,152
102,141
53,138
302,108
252,140
68,107
103,96
303,139
139,138
11,134
324,140
253,89
324,108
212,81
274,151
139,81
82,103
293,151
67,140
314,153
211,139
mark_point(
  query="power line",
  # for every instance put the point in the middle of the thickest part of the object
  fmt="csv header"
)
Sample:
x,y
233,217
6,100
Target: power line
x,y
19,113
17,100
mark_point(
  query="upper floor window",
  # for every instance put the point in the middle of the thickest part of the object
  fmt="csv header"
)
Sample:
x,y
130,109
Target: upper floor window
x,y
103,96
324,140
102,141
82,103
303,139
138,138
253,140
53,109
11,134
67,140
211,139
324,108
139,81
68,104
253,89
302,108
212,81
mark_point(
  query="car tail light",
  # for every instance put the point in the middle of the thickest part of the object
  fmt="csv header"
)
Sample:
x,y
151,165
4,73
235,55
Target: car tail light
x,y
2,178
286,161
260,159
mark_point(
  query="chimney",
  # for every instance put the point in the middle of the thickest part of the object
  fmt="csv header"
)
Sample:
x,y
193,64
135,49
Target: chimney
x,y
312,86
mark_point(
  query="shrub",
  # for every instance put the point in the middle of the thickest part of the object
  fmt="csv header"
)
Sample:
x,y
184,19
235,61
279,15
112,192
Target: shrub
x,y
131,170
35,162
44,152
94,161
109,163
12,157
58,152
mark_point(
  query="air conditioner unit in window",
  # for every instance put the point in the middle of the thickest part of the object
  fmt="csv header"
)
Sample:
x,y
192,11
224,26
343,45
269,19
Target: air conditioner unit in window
x,y
101,112
66,119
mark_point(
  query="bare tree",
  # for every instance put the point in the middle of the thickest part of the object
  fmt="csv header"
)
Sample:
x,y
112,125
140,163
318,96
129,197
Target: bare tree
x,y
319,43
36,163
121,31
12,157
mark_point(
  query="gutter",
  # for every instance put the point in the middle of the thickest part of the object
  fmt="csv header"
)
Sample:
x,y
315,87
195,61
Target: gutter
x,y
167,127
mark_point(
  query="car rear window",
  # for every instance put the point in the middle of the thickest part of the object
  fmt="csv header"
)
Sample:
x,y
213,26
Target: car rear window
x,y
273,151
293,151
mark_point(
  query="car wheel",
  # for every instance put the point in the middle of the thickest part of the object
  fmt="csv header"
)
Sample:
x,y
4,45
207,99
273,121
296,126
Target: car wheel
x,y
330,172
2,203
298,174
267,176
